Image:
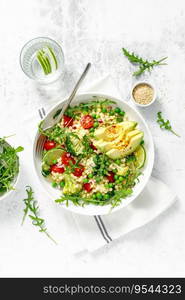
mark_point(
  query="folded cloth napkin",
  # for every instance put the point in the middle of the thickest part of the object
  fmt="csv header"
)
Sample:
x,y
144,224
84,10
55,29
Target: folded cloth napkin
x,y
97,231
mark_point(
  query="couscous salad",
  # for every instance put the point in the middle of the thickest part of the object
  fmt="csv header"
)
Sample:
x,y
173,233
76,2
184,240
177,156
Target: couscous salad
x,y
94,154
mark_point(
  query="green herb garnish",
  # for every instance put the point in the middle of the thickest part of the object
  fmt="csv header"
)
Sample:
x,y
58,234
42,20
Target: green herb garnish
x,y
31,206
78,200
9,165
47,60
142,63
165,124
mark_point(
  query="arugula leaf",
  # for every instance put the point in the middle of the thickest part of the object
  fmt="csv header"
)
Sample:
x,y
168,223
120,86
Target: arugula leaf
x,y
56,133
32,207
9,165
165,124
143,64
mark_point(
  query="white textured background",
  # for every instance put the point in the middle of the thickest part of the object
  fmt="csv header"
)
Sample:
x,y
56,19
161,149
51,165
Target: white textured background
x,y
95,31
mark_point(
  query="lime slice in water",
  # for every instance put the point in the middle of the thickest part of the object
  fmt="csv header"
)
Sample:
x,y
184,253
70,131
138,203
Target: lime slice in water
x,y
52,155
140,155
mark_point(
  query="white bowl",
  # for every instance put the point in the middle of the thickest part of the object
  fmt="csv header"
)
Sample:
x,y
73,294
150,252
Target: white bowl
x,y
92,209
154,96
14,184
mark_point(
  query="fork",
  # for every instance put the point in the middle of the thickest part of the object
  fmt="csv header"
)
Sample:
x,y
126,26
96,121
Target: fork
x,y
41,138
52,122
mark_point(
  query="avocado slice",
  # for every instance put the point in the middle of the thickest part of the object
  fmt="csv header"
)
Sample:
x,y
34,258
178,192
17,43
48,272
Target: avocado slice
x,y
74,144
122,170
114,131
107,142
132,133
133,144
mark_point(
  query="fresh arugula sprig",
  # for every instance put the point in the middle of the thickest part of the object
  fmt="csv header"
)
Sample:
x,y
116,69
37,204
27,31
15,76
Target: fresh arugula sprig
x,y
143,64
78,200
31,206
165,124
9,164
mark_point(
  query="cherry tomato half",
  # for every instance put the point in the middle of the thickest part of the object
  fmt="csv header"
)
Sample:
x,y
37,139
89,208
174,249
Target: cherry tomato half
x,y
48,145
87,187
57,169
87,121
68,121
93,147
110,177
66,158
78,171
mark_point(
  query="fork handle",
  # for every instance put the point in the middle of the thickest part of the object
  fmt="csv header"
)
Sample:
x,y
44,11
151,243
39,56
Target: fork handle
x,y
75,89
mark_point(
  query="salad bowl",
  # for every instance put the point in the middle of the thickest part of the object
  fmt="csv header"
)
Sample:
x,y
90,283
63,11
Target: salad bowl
x,y
15,180
91,209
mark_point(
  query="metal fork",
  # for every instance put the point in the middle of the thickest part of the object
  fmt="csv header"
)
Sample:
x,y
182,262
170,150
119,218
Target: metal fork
x,y
51,122
41,138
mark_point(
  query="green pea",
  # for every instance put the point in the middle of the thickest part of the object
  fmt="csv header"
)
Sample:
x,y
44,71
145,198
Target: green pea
x,y
121,178
119,119
90,176
117,110
94,196
111,113
98,179
118,162
62,183
54,184
106,196
85,180
121,113
99,195
104,110
116,176
96,124
94,116
55,161
91,130
110,185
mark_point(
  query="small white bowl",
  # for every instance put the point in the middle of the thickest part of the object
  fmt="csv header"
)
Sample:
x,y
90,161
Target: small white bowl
x,y
154,96
14,183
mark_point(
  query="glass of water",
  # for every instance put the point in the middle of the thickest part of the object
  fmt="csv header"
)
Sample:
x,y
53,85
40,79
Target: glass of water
x,y
42,59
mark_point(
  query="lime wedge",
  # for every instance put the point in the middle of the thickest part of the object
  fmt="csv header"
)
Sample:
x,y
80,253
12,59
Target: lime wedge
x,y
140,155
52,155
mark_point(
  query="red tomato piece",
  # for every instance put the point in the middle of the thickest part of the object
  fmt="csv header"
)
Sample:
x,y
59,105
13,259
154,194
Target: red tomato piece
x,y
57,169
87,122
48,145
93,147
78,171
87,187
110,177
68,121
66,158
